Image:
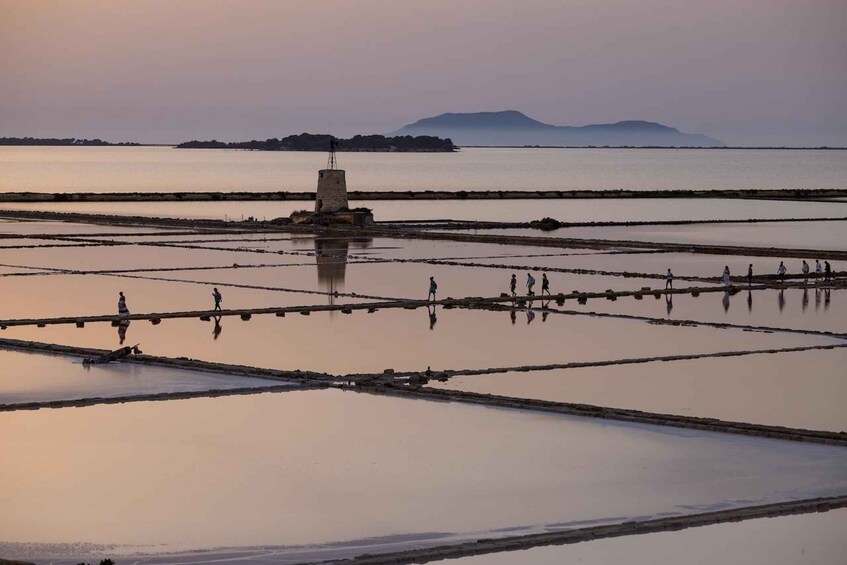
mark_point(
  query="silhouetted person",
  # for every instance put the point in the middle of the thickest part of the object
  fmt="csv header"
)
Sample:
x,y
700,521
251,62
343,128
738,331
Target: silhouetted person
x,y
781,272
781,300
805,270
749,300
669,303
805,299
530,283
513,284
545,284
725,302
669,280
217,296
827,271
433,287
216,331
123,311
432,319
726,279
750,275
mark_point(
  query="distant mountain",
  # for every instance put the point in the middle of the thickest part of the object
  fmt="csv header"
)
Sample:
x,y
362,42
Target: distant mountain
x,y
511,127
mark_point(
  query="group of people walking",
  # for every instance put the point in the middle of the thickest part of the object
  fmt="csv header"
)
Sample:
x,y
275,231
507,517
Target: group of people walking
x,y
824,271
530,284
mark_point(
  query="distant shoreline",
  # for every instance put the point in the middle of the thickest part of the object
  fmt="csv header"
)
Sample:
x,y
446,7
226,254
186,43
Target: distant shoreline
x,y
363,195
75,142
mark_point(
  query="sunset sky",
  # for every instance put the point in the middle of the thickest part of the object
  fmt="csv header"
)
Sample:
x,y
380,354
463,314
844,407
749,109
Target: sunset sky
x,y
744,71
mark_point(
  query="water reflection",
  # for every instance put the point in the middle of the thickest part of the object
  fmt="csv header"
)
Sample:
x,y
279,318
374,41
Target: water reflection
x,y
725,301
669,303
432,318
749,300
805,299
781,300
216,331
331,259
123,326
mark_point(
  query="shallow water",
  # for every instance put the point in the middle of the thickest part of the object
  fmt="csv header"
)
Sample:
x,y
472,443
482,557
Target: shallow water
x,y
437,470
411,340
577,210
128,169
809,539
806,309
29,377
797,389
821,235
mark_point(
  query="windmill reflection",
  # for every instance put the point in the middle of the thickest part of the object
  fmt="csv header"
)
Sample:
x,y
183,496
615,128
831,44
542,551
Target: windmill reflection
x,y
331,255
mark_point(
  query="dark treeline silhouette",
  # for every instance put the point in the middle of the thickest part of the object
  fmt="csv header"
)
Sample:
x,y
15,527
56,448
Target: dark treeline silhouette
x,y
320,142
57,141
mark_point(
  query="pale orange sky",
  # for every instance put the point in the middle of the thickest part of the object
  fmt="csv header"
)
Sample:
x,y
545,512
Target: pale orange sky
x,y
747,72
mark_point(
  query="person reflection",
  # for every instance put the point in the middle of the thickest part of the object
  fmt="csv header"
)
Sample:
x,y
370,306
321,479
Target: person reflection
x,y
513,315
826,297
817,299
432,319
669,303
781,300
216,331
725,302
805,299
123,326
530,316
749,300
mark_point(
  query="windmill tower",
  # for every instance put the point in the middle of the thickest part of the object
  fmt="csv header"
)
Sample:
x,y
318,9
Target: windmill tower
x,y
332,184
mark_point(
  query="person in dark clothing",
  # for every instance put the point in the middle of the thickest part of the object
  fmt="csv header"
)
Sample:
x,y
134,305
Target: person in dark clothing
x,y
669,280
433,286
750,275
513,284
545,284
827,271
217,296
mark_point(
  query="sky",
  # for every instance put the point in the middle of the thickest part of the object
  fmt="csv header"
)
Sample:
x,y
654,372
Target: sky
x,y
748,72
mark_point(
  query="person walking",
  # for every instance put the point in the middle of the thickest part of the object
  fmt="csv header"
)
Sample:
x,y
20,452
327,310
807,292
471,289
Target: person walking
x,y
669,280
123,311
545,284
513,284
530,282
217,296
750,275
805,270
781,272
433,286
818,268
726,279
827,271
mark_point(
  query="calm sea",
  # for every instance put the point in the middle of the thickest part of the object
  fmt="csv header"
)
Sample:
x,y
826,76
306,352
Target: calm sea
x,y
125,169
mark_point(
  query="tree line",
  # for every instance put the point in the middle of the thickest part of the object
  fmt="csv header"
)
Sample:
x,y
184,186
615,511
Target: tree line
x,y
321,142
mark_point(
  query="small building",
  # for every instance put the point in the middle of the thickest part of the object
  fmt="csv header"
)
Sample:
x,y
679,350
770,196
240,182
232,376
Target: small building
x,y
331,206
332,191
